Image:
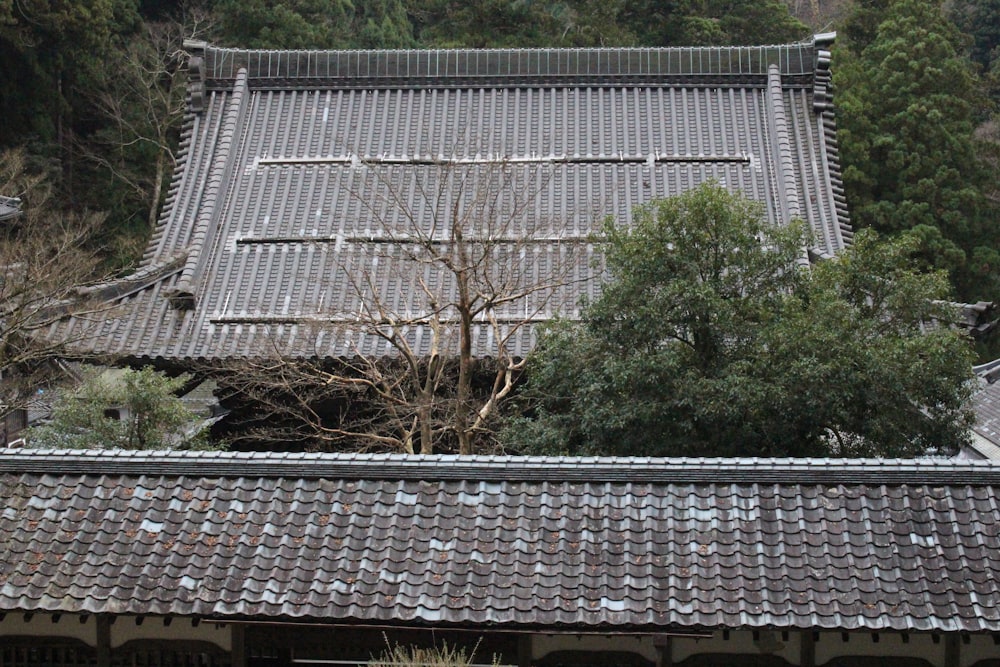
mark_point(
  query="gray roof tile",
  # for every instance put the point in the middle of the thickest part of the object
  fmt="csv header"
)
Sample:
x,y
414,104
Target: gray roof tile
x,y
301,171
986,405
874,545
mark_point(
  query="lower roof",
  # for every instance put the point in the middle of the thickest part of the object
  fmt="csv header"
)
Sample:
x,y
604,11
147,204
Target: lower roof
x,y
600,543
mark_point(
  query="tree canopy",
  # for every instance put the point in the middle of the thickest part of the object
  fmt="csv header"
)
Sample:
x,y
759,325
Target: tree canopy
x,y
908,102
121,410
712,338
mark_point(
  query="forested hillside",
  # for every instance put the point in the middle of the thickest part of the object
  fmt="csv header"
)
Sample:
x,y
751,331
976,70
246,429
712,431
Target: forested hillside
x,y
94,92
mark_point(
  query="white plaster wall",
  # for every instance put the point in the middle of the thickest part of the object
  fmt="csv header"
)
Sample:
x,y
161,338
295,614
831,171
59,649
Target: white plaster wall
x,y
41,625
542,645
980,647
831,645
741,642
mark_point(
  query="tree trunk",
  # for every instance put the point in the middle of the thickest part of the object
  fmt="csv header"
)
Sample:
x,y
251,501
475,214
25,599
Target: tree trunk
x,y
426,434
154,205
464,389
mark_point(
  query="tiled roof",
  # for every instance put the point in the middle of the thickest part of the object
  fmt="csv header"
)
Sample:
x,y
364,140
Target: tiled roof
x,y
307,181
986,406
10,207
506,542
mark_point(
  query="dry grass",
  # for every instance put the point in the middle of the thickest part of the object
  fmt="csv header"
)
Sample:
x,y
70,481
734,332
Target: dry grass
x,y
414,656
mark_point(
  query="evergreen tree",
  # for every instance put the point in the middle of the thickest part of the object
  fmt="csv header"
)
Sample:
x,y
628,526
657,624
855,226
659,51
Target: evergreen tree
x,y
313,24
485,23
122,410
688,23
382,24
907,103
47,51
296,24
708,340
980,20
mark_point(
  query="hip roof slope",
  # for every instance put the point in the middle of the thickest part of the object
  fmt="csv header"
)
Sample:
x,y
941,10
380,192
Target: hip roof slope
x,y
304,178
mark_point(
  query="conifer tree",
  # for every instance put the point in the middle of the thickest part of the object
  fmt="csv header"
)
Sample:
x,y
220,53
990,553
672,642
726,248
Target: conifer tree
x,y
907,102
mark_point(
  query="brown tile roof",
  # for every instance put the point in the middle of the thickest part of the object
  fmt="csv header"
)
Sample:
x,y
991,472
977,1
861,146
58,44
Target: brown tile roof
x,y
304,177
534,542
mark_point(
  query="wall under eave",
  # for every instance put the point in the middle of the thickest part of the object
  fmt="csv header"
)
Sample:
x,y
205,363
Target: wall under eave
x,y
124,629
785,645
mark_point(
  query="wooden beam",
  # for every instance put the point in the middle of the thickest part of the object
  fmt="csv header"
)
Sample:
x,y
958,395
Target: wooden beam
x,y
807,649
664,650
238,655
952,650
103,641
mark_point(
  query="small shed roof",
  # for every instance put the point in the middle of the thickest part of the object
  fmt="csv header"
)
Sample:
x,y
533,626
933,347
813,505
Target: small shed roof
x,y
598,543
10,207
986,406
312,184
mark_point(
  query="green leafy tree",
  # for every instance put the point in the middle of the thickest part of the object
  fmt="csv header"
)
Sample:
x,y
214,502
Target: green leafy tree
x,y
48,49
313,24
486,23
689,23
710,338
907,116
122,410
382,24
503,23
980,20
298,24
138,102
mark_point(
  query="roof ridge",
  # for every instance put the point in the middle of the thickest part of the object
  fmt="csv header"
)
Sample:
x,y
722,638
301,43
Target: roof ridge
x,y
182,295
422,65
504,468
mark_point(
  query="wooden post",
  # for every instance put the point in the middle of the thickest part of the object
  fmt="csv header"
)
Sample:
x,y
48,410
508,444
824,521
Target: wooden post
x,y
664,650
952,650
523,651
103,641
807,649
238,651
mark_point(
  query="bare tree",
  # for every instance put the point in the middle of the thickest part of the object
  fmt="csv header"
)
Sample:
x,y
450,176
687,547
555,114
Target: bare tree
x,y
47,270
452,269
142,96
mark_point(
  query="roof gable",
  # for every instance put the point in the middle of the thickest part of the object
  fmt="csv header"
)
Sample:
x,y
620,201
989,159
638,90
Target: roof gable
x,y
537,542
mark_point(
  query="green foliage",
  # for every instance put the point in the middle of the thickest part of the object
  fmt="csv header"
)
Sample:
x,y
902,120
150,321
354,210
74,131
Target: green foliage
x,y
710,338
861,24
486,23
382,24
741,22
49,47
152,416
503,23
980,20
297,24
313,24
907,108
